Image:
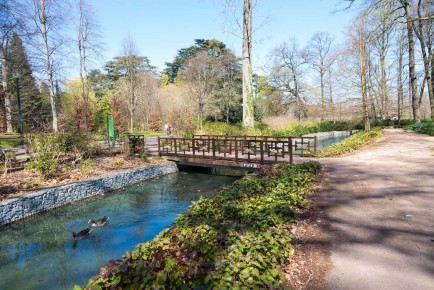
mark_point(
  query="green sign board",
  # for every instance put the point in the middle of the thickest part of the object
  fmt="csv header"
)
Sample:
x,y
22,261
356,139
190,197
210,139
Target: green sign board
x,y
111,130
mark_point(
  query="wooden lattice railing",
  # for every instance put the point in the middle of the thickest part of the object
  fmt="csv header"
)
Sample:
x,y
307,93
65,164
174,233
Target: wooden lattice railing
x,y
252,149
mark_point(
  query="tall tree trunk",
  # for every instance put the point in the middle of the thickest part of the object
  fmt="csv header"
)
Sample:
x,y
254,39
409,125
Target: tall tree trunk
x,y
227,114
2,111
425,46
373,101
80,47
432,85
83,73
384,90
132,109
400,82
332,106
43,20
363,81
7,95
300,103
323,108
412,62
248,120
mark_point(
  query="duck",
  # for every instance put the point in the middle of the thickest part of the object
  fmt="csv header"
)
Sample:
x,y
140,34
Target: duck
x,y
81,234
99,223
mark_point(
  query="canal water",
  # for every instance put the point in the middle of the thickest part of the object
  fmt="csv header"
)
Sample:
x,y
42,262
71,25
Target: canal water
x,y
329,138
39,253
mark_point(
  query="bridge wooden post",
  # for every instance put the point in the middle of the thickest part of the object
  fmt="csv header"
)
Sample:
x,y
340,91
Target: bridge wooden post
x,y
213,148
176,149
159,146
193,147
236,150
290,151
315,143
262,151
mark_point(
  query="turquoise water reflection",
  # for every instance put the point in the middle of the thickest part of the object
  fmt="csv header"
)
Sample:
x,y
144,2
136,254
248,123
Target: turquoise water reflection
x,y
40,253
326,141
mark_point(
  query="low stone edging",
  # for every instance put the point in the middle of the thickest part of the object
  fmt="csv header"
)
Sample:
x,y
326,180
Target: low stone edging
x,y
14,209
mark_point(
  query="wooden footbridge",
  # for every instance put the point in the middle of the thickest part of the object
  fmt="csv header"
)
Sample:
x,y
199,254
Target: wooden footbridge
x,y
248,152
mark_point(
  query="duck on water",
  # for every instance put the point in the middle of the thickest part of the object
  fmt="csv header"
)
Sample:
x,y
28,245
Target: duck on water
x,y
99,223
81,234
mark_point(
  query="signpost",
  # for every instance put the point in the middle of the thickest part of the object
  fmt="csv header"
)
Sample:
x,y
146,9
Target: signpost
x,y
110,131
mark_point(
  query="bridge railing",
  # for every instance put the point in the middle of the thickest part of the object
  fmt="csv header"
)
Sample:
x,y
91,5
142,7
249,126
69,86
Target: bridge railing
x,y
255,149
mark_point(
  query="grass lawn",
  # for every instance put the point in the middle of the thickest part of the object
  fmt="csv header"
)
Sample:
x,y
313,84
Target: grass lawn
x,y
9,140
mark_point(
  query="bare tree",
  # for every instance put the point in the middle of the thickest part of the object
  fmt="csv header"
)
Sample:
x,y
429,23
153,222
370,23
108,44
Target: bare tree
x,y
319,54
200,73
381,25
400,79
415,100
359,42
424,30
405,6
49,18
229,74
287,74
89,44
132,66
88,48
248,120
147,98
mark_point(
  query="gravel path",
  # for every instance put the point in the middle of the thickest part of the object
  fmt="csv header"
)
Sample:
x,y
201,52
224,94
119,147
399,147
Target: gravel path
x,y
382,214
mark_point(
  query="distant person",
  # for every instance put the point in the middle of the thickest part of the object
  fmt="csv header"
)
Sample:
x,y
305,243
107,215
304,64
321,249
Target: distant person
x,y
168,130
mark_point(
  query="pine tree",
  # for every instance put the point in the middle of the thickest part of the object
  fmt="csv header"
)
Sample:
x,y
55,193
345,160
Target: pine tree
x,y
35,110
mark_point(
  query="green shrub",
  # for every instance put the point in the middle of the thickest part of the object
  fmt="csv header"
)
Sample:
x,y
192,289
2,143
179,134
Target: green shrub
x,y
31,183
216,128
304,128
85,166
352,143
7,157
236,239
144,157
328,126
78,143
261,126
118,163
45,151
424,127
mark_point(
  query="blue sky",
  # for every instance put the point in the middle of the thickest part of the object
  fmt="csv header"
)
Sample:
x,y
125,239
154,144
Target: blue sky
x,y
160,28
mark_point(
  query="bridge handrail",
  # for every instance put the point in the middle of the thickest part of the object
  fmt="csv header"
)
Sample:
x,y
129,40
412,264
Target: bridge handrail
x,y
236,147
249,137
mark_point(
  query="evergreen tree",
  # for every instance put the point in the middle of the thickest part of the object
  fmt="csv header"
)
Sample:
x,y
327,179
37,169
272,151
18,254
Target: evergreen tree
x,y
103,110
35,109
213,47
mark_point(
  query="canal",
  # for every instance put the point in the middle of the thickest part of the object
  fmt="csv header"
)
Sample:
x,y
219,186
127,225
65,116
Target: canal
x,y
329,138
39,253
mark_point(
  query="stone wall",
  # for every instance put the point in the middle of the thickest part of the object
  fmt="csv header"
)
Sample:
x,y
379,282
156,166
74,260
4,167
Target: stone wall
x,y
17,208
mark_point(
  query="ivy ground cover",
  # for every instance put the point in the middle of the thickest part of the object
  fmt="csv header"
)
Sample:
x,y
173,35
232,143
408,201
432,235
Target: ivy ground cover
x,y
237,239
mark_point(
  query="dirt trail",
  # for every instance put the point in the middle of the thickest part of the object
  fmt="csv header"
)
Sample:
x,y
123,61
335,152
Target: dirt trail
x,y
382,214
